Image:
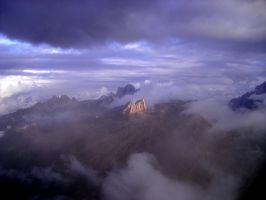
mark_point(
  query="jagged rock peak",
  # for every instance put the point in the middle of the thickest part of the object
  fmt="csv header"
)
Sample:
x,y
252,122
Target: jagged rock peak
x,y
127,90
61,99
55,102
121,92
106,99
135,108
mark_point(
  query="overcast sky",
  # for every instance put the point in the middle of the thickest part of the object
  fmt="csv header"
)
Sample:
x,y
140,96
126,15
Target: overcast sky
x,y
95,45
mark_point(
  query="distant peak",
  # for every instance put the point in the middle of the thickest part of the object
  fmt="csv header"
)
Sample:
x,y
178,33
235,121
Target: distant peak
x,y
120,93
261,89
250,100
126,90
61,99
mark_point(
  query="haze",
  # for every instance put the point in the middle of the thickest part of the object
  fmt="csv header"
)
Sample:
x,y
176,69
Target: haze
x,y
200,67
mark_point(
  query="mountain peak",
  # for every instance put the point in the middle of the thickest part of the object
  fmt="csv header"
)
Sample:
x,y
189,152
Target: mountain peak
x,y
126,90
120,93
250,100
138,107
62,99
261,89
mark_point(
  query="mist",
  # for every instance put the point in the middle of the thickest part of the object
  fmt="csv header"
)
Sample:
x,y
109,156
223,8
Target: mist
x,y
199,152
132,100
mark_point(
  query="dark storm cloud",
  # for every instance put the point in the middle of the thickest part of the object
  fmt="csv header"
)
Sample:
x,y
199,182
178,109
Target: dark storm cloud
x,y
66,23
105,44
233,23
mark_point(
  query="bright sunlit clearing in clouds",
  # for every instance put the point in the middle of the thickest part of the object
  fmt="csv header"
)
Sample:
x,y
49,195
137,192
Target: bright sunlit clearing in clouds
x,y
11,85
23,47
34,71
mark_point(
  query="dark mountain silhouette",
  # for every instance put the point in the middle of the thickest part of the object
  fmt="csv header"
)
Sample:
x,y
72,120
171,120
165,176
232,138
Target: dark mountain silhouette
x,y
127,90
120,93
250,100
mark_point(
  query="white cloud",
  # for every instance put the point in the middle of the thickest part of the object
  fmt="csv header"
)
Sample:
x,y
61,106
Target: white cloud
x,y
141,180
34,71
217,111
10,85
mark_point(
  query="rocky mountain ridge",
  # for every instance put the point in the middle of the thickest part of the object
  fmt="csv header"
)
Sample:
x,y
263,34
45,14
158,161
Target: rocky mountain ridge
x,y
64,143
63,108
251,100
121,92
139,107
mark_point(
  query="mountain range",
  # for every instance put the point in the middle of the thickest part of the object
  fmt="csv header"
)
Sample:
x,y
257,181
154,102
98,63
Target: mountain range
x,y
97,136
66,149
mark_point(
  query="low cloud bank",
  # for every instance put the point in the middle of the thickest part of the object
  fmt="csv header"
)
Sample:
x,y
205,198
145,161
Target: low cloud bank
x,y
235,135
217,111
141,180
205,151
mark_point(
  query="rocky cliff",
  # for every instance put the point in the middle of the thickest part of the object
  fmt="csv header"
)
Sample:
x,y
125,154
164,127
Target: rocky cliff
x,y
135,108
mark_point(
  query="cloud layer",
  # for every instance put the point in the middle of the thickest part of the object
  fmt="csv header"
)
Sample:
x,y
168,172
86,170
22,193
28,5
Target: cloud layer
x,y
237,23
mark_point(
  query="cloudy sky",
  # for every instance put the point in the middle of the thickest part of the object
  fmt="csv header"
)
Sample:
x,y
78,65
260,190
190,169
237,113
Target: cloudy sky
x,y
88,47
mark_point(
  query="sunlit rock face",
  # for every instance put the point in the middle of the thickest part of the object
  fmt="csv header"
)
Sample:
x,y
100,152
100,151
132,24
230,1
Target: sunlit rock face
x,y
135,108
251,100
